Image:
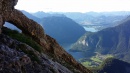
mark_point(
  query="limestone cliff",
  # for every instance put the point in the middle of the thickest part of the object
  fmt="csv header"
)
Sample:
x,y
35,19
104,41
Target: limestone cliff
x,y
29,27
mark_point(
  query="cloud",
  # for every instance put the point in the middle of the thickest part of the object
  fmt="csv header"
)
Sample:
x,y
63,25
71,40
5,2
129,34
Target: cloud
x,y
73,5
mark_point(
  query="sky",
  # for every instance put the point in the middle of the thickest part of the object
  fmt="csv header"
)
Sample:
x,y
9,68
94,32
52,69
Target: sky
x,y
73,5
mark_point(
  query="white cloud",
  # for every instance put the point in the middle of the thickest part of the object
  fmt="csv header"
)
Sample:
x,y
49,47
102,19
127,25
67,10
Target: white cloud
x,y
73,5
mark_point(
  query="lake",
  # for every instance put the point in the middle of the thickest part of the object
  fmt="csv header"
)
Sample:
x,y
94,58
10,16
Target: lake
x,y
76,55
90,29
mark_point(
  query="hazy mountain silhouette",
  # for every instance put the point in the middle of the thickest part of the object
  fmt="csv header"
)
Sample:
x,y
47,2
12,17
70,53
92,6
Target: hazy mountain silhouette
x,y
63,29
113,40
41,14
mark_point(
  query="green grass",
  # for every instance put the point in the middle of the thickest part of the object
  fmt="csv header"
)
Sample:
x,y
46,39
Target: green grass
x,y
29,52
86,64
94,61
22,38
109,56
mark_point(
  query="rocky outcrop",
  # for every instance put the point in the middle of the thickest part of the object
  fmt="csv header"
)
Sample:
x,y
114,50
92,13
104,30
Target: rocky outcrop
x,y
17,18
36,32
17,57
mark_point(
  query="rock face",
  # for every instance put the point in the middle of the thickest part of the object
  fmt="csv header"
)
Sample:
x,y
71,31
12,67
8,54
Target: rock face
x,y
17,18
17,57
18,61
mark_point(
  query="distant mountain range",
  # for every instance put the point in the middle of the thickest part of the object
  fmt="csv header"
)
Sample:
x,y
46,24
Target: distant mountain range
x,y
29,15
101,19
41,14
114,40
97,18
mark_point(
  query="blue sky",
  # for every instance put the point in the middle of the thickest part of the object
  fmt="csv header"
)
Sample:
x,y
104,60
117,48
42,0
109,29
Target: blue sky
x,y
73,5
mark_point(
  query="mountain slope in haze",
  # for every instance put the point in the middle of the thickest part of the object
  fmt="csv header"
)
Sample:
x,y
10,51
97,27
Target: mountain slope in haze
x,y
9,25
30,16
97,20
115,41
111,65
41,14
66,30
88,18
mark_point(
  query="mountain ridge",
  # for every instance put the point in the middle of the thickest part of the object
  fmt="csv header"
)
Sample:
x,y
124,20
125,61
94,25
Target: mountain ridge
x,y
114,40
